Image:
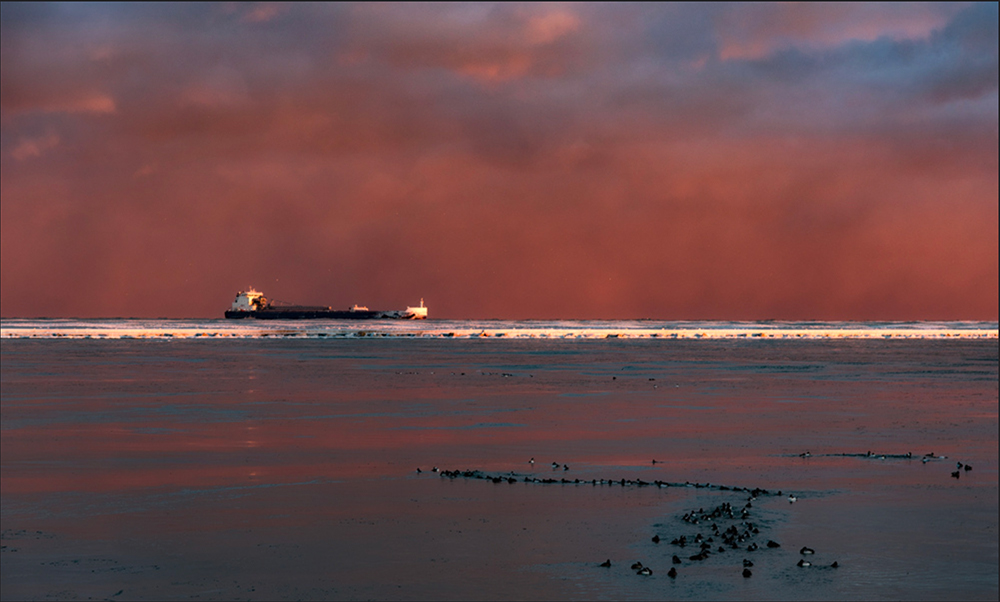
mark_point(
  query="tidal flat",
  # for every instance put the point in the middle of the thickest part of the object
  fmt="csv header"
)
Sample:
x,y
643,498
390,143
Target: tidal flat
x,y
288,468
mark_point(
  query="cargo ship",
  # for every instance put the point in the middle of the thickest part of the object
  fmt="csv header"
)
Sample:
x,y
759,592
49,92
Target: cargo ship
x,y
253,304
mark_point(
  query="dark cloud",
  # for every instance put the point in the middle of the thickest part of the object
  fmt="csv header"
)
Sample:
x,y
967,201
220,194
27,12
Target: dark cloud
x,y
674,161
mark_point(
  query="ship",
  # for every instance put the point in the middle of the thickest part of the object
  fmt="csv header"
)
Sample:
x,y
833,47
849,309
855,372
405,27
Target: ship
x,y
253,304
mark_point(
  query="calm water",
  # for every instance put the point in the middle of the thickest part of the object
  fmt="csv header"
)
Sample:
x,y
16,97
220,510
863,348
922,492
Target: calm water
x,y
284,466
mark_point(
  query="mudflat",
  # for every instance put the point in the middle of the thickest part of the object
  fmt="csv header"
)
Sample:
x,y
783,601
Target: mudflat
x,y
288,469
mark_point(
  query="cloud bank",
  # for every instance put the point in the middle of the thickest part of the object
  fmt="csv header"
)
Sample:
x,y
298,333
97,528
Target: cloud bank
x,y
510,161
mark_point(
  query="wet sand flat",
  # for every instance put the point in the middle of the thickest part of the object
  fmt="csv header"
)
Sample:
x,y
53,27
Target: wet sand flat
x,y
286,469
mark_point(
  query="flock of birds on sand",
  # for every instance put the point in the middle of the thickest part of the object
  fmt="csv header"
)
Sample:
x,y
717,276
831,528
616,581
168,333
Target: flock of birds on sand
x,y
928,457
740,533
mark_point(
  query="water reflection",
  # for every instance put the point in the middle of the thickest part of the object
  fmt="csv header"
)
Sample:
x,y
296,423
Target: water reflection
x,y
306,484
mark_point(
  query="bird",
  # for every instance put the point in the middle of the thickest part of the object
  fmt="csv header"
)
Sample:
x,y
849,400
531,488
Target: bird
x,y
435,469
531,461
418,470
804,563
747,573
956,474
656,539
967,468
672,573
792,499
606,563
676,559
747,562
958,464
645,571
773,544
806,550
636,566
924,460
835,565
565,466
555,465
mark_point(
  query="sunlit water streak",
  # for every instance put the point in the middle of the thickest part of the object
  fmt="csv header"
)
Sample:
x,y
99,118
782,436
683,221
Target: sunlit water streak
x,y
527,329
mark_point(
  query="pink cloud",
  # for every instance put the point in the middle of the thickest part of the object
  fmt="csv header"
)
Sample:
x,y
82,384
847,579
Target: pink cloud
x,y
262,12
34,147
549,27
489,46
94,103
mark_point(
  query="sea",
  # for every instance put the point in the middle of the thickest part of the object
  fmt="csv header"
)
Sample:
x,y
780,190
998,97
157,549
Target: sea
x,y
496,460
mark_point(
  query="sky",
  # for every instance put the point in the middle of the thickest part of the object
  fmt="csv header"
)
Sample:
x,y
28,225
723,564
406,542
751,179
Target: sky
x,y
518,161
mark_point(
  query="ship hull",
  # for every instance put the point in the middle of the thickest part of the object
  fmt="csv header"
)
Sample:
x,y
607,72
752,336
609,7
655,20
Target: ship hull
x,y
317,314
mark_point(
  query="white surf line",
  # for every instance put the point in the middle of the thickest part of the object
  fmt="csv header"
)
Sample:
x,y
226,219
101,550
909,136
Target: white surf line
x,y
84,331
801,333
